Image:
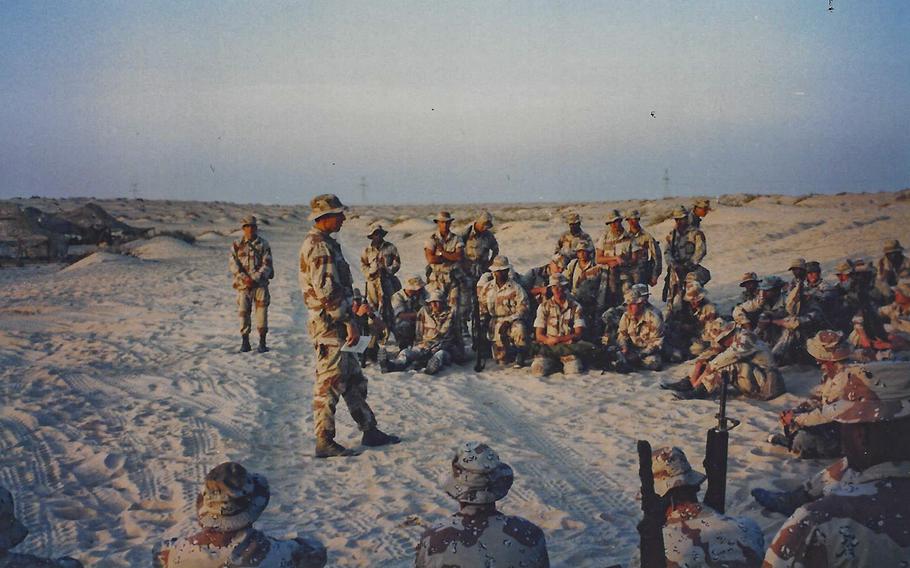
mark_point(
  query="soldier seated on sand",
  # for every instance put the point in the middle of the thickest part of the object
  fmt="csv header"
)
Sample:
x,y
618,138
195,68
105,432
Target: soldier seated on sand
x,y
505,303
749,283
406,304
740,357
478,534
436,342
640,335
231,500
696,322
558,328
12,532
896,317
695,534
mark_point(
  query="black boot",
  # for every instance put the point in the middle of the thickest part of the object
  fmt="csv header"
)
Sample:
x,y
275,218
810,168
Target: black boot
x,y
262,347
698,392
328,448
784,502
245,346
683,384
376,437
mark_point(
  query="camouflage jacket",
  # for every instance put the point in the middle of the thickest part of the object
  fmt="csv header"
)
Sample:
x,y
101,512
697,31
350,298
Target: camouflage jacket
x,y
378,262
508,302
896,317
535,278
451,243
890,274
483,539
479,250
619,245
583,280
556,319
643,248
435,331
696,535
814,417
747,347
325,278
645,333
568,242
860,523
247,547
402,303
251,258
688,250
756,307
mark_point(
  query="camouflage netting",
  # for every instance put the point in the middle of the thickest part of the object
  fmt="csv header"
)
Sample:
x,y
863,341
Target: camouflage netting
x,y
21,238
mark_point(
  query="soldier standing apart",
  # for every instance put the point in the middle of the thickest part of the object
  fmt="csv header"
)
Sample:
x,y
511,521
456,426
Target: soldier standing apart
x,y
326,285
506,303
558,328
568,241
379,263
686,248
478,534
480,248
405,305
645,262
613,254
251,265
444,252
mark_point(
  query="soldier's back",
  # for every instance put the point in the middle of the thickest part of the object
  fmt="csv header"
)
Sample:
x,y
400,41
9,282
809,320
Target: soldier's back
x,y
249,547
701,537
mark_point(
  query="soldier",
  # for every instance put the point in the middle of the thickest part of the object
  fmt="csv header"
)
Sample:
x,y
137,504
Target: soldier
x,y
379,263
798,269
505,303
743,358
762,310
405,305
436,339
896,316
863,520
480,248
697,321
536,281
12,532
695,534
892,267
479,535
613,254
640,335
820,291
444,252
326,285
558,327
749,283
645,261
802,319
685,250
232,500
584,276
700,210
609,354
861,301
251,265
568,241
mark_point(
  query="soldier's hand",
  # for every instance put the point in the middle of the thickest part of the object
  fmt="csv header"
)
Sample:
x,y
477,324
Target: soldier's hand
x,y
786,417
353,334
247,281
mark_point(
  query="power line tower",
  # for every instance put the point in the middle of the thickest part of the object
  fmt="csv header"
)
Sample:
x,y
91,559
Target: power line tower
x,y
134,189
363,189
666,180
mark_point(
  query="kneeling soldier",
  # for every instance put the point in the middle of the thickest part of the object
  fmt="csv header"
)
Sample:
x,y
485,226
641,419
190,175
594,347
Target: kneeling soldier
x,y
558,328
437,338
640,336
505,302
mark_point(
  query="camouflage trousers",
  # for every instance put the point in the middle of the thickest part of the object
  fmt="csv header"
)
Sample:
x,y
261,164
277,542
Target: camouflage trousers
x,y
434,361
635,358
816,442
507,335
548,358
246,299
338,375
749,379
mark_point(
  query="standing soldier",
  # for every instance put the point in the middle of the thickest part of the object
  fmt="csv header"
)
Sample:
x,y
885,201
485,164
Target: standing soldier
x,y
480,248
685,250
584,276
379,263
444,252
568,241
506,304
645,262
700,210
406,303
326,285
251,265
613,253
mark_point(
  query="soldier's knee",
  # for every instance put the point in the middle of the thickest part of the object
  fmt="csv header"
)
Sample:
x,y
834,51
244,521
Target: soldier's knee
x,y
540,366
572,366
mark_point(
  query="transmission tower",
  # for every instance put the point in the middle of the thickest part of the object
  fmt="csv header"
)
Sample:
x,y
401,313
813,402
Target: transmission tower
x,y
363,189
134,189
666,180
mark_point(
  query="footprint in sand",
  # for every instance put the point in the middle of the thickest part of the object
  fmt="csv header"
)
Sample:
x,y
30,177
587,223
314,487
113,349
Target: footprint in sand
x,y
99,468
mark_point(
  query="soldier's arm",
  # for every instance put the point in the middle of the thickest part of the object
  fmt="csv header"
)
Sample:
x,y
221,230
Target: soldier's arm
x,y
657,267
725,358
523,304
365,263
494,248
457,255
656,340
393,264
317,261
234,261
265,271
701,248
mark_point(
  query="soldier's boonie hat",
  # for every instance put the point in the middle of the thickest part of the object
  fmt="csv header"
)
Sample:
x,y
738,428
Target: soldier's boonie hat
x,y
485,218
671,470
861,265
478,477
325,204
613,216
633,214
581,245
680,213
249,220
845,267
12,532
828,345
435,295
703,203
748,277
231,498
377,228
813,266
444,216
501,262
572,217
694,292
893,246
881,394
414,283
797,263
724,332
557,279
633,296
770,283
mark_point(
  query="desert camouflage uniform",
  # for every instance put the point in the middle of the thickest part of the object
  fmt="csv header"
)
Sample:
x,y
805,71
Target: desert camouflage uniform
x,y
802,320
614,281
863,522
896,319
645,261
508,307
536,277
755,308
379,267
695,328
436,340
696,535
487,538
479,250
252,258
584,284
888,274
247,547
405,330
751,364
326,284
644,337
684,254
447,276
556,320
568,244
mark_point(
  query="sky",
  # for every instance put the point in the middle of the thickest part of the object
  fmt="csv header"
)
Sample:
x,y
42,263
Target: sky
x,y
417,102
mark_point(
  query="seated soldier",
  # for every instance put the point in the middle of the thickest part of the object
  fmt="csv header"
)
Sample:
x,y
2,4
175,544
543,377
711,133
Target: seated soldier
x,y
798,269
437,342
12,532
742,359
896,317
505,303
749,283
694,533
700,322
536,281
230,502
558,328
609,355
478,534
369,323
406,303
891,268
640,335
584,276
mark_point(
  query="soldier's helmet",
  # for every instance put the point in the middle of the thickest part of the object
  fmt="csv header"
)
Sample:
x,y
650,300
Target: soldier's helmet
x,y
415,283
12,532
612,217
881,394
680,213
231,498
325,204
376,228
813,266
861,265
557,280
893,246
633,214
748,277
572,218
694,292
248,221
478,477
485,218
501,262
771,283
671,470
703,204
559,259
435,295
444,216
828,345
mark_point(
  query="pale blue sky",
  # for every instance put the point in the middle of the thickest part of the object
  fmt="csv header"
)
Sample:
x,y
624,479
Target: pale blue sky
x,y
455,101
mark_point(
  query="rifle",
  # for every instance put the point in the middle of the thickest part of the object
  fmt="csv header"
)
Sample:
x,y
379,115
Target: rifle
x,y
650,529
664,293
716,448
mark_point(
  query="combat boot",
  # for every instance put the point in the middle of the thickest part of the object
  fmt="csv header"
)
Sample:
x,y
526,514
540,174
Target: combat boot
x,y
520,360
328,448
698,392
245,345
785,502
376,437
262,348
683,384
